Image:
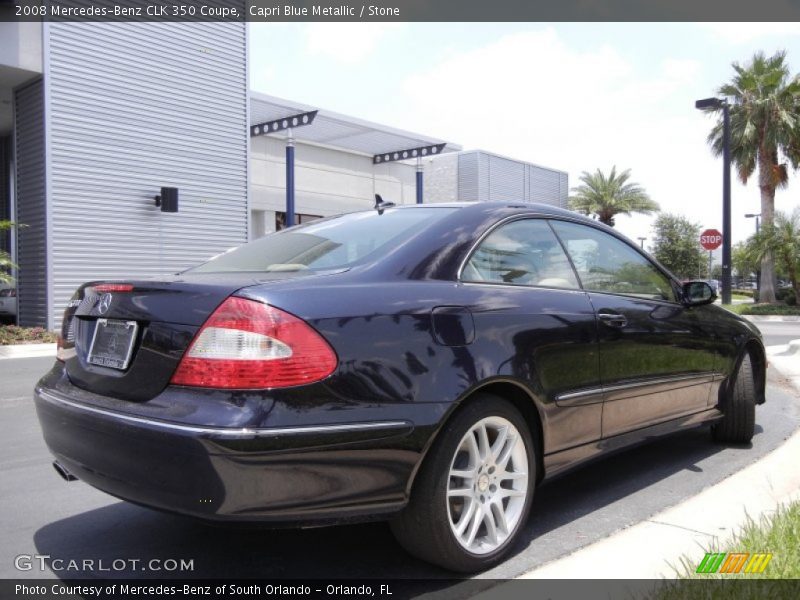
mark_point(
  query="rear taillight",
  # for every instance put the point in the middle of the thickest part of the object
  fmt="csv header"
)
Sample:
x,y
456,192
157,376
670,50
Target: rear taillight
x,y
102,288
246,344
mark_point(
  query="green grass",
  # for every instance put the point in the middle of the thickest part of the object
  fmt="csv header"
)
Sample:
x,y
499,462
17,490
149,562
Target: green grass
x,y
769,309
762,309
735,308
778,534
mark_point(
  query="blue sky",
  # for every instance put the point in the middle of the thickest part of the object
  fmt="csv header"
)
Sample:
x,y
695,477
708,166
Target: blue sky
x,y
570,96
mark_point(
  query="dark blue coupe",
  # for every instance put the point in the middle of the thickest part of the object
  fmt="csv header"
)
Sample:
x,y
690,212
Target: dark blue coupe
x,y
428,365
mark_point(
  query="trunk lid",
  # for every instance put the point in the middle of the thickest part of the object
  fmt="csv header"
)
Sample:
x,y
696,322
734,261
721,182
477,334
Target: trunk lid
x,y
127,343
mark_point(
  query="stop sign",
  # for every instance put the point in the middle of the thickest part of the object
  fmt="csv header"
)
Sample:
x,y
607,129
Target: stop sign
x,y
711,239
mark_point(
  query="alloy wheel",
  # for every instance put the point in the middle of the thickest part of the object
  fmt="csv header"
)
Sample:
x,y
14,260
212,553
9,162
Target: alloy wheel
x,y
487,485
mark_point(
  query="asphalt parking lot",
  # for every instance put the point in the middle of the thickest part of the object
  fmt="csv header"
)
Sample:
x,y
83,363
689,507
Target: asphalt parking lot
x,y
42,514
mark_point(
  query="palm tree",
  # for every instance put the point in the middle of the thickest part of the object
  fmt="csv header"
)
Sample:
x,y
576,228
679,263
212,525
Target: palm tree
x,y
5,260
765,128
606,197
781,240
742,260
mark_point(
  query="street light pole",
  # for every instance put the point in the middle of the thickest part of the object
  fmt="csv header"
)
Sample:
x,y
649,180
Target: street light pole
x,y
726,203
641,241
716,104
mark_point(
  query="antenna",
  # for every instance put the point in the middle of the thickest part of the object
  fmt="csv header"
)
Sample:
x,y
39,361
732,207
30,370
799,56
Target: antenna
x,y
381,204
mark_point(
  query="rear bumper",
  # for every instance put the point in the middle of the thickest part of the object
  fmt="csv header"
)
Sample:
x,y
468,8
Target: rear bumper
x,y
311,473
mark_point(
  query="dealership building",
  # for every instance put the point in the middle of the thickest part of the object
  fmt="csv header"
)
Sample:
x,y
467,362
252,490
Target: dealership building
x,y
97,119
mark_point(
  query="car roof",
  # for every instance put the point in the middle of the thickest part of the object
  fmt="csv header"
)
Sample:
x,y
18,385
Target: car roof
x,y
526,205
505,209
546,209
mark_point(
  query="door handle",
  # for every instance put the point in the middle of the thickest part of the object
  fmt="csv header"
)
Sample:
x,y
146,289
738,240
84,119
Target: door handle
x,y
613,319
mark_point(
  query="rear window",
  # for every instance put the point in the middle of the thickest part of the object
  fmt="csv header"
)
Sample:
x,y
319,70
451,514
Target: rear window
x,y
333,243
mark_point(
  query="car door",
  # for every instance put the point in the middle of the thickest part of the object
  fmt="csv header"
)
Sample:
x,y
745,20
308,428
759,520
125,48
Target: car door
x,y
657,357
539,325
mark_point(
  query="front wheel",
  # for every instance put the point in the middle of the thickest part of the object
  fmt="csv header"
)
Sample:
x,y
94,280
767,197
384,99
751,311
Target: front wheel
x,y
473,493
738,424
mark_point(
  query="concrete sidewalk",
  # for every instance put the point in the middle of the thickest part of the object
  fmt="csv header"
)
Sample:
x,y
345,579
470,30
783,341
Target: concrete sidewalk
x,y
653,548
27,350
786,359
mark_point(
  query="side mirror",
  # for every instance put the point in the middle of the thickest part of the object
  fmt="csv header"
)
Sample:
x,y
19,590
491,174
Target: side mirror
x,y
698,293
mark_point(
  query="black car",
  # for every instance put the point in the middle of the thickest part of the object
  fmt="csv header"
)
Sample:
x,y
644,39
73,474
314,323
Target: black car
x,y
429,365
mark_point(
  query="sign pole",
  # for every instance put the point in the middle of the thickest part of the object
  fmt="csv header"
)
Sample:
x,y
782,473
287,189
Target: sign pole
x,y
711,239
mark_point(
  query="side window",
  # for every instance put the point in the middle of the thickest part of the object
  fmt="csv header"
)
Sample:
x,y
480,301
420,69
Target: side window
x,y
524,252
606,264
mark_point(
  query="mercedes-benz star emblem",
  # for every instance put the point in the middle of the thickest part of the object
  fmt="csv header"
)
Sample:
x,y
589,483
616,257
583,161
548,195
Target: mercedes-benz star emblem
x,y
104,304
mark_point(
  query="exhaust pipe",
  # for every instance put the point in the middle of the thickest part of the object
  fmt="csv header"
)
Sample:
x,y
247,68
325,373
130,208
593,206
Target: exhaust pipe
x,y
62,470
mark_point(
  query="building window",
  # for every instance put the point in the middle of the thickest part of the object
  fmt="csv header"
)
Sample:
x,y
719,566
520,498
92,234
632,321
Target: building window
x,y
280,219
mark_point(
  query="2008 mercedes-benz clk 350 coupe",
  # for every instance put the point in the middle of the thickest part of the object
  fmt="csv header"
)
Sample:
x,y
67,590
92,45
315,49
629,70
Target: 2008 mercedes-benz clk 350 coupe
x,y
428,365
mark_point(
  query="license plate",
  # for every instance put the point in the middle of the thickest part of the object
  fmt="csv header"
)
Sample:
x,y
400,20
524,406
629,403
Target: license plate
x,y
112,343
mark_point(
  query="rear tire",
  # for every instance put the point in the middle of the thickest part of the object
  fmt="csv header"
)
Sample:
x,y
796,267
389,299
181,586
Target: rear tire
x,y
739,408
473,493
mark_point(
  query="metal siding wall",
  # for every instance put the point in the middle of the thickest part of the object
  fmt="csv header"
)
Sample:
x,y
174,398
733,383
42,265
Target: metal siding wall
x,y
134,107
487,177
31,205
563,192
545,186
506,180
468,177
484,177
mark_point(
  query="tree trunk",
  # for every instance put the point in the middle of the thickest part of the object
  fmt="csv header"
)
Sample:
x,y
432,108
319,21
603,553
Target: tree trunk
x,y
766,286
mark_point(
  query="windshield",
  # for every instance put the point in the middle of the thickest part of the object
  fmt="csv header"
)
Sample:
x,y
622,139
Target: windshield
x,y
333,243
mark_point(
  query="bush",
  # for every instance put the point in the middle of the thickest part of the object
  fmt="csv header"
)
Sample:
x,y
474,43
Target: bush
x,y
748,293
769,309
787,296
13,334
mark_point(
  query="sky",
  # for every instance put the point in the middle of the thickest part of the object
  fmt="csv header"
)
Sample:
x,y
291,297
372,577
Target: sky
x,y
572,96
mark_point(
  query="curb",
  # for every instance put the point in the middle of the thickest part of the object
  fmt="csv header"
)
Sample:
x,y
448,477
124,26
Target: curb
x,y
772,318
786,360
688,528
792,348
27,350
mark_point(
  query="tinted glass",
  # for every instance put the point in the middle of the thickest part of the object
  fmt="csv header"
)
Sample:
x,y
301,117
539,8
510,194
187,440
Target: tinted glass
x,y
606,264
523,252
326,244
